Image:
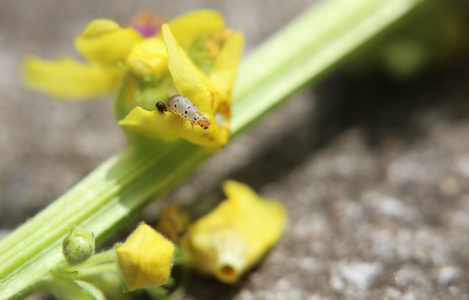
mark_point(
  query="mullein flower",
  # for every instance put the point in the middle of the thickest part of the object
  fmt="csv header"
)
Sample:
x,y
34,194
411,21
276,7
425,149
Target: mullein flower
x,y
236,234
145,259
203,92
103,43
194,56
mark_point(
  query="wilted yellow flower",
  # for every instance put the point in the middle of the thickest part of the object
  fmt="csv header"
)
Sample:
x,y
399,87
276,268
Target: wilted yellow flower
x,y
173,223
145,259
193,55
236,234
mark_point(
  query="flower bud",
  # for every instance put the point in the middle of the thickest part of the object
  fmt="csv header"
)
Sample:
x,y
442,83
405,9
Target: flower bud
x,y
105,42
145,259
78,245
148,58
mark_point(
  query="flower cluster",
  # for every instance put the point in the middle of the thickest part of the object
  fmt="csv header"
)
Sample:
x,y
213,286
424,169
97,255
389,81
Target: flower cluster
x,y
194,56
169,79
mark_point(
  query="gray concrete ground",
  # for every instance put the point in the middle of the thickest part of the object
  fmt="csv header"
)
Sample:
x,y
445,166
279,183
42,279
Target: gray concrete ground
x,y
375,175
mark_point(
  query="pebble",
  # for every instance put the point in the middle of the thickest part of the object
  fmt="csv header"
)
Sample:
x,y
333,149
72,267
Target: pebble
x,y
359,274
392,207
392,294
447,274
411,276
409,296
462,165
317,297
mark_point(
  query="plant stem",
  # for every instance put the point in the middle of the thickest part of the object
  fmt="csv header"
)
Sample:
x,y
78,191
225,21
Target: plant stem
x,y
300,53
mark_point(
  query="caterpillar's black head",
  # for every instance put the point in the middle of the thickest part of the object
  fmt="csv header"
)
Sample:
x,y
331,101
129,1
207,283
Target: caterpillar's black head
x,y
161,107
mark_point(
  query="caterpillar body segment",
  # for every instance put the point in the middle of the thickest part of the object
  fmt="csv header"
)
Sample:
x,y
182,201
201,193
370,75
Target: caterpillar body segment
x,y
184,108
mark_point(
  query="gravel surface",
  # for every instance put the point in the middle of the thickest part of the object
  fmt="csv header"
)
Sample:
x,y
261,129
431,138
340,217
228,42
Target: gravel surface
x,y
374,174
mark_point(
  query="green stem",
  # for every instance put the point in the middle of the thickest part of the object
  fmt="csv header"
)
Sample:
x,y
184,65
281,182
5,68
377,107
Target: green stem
x,y
301,53
67,289
101,262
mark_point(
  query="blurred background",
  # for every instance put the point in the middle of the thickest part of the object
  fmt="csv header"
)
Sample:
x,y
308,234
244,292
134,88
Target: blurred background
x,y
372,163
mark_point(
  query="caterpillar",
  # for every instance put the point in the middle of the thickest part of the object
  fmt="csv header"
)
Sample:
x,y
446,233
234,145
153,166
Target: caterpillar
x,y
161,107
184,108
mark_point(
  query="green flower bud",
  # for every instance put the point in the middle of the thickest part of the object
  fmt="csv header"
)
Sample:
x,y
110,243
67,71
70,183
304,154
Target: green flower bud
x,y
78,245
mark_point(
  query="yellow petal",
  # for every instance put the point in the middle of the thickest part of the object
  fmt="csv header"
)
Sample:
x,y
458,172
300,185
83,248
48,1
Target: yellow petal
x,y
104,42
145,259
70,79
148,57
168,126
188,27
236,234
226,63
152,124
188,79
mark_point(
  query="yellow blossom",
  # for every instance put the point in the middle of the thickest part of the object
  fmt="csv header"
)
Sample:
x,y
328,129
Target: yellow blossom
x,y
67,78
103,43
211,94
193,55
236,234
145,259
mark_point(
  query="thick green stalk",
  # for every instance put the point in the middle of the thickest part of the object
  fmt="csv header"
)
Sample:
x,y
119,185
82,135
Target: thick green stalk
x,y
301,53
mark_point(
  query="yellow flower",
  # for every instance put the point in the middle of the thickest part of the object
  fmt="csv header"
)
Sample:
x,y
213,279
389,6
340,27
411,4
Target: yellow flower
x,y
210,93
236,234
145,259
103,43
193,55
66,78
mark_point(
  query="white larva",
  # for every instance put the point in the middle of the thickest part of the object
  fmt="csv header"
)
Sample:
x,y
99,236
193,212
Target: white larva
x,y
184,108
